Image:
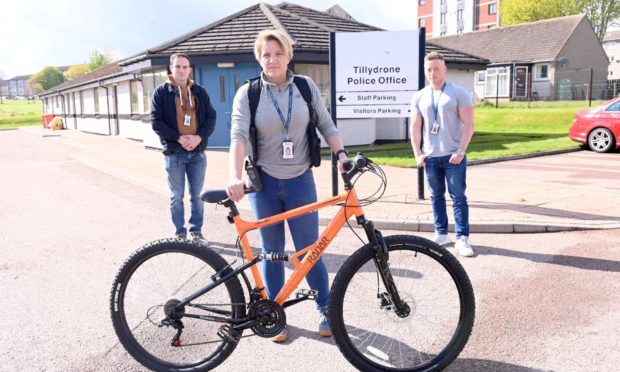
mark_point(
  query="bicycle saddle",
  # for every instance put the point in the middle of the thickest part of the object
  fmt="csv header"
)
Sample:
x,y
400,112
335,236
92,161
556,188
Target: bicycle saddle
x,y
214,195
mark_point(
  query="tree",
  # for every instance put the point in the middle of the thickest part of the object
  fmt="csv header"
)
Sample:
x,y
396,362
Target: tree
x,y
45,79
75,71
601,13
98,59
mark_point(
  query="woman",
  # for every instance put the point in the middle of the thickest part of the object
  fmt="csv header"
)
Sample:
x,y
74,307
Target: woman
x,y
281,121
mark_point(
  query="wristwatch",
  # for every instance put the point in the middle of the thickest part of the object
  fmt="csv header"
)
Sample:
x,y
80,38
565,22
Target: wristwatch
x,y
460,152
341,151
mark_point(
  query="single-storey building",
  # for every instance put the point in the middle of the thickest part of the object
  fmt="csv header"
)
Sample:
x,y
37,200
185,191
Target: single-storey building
x,y
551,59
115,100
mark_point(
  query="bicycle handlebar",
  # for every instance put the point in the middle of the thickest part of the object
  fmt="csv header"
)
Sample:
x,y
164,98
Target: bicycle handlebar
x,y
353,167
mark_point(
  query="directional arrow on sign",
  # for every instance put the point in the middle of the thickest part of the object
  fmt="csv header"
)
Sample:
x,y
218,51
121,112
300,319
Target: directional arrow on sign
x,y
341,99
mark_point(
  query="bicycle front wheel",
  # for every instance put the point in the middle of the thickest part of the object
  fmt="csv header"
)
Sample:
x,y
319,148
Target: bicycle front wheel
x,y
158,276
434,285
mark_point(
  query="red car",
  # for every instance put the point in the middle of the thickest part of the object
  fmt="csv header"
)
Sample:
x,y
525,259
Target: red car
x,y
599,127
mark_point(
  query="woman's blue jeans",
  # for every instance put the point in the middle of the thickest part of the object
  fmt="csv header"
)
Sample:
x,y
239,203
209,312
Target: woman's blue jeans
x,y
194,165
280,196
439,171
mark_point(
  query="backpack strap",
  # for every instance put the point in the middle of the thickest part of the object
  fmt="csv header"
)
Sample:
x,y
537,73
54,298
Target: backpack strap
x,y
306,93
254,97
304,88
314,143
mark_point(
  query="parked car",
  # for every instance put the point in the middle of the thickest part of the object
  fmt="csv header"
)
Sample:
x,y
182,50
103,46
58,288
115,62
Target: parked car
x,y
599,128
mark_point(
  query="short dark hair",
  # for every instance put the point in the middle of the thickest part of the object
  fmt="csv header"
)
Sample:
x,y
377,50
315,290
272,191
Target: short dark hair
x,y
433,56
177,55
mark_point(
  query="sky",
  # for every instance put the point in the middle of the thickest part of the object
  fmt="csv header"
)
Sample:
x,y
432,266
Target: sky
x,y
39,33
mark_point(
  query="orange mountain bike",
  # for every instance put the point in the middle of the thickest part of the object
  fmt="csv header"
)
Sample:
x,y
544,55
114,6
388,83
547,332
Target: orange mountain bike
x,y
399,303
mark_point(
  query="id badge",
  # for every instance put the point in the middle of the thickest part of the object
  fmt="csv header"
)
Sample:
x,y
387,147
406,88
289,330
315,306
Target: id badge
x,y
188,120
287,150
435,128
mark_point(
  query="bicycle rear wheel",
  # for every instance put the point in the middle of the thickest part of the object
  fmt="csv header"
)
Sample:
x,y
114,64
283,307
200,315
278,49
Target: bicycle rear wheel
x,y
167,271
432,283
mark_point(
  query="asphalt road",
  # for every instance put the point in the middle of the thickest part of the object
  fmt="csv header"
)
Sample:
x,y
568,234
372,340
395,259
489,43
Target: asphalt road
x,y
544,301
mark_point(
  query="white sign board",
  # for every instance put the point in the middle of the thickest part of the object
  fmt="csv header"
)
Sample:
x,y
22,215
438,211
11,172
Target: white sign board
x,y
376,73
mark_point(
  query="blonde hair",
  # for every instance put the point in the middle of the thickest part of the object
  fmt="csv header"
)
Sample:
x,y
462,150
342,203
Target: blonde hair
x,y
434,56
282,38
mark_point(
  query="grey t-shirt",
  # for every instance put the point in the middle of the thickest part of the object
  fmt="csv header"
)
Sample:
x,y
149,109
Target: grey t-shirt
x,y
270,129
448,102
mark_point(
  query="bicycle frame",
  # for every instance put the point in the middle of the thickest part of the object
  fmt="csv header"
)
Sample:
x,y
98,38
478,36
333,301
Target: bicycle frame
x,y
350,207
313,252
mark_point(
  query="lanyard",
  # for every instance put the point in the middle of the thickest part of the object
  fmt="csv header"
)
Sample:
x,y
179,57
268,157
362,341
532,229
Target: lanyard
x,y
189,95
436,105
287,122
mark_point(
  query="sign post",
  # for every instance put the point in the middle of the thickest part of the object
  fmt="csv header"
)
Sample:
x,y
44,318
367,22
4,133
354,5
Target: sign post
x,y
373,75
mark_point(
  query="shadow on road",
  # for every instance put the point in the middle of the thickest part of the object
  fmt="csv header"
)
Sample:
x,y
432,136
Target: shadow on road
x,y
479,365
584,263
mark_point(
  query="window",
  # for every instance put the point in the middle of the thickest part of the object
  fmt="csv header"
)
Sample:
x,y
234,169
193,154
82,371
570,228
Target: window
x,y
149,82
421,22
442,19
492,8
480,75
497,82
442,2
320,75
541,72
615,107
96,99
459,15
133,93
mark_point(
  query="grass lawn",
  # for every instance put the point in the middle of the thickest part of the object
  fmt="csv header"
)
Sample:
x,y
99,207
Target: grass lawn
x,y
16,113
512,129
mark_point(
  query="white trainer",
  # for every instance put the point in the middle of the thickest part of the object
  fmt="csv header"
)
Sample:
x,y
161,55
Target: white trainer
x,y
463,247
442,239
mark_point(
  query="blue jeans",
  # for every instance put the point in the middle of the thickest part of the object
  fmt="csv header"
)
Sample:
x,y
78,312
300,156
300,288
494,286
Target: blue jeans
x,y
438,172
280,196
194,165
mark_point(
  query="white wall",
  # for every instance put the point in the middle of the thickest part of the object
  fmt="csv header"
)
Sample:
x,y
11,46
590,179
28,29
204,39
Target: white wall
x,y
391,128
92,125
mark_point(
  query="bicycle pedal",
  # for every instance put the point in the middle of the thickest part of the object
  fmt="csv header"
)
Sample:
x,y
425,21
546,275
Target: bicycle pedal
x,y
309,294
229,334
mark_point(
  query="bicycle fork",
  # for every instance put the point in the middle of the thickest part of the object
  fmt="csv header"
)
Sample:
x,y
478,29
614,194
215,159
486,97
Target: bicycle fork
x,y
390,300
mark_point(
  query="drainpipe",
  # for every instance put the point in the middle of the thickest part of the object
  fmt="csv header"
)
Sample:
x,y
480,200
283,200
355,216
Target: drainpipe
x,y
107,101
64,113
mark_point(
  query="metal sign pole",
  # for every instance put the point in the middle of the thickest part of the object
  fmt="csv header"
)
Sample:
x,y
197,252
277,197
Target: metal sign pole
x,y
420,87
332,104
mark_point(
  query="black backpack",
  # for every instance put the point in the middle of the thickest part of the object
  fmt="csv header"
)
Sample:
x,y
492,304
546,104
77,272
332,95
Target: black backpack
x,y
314,142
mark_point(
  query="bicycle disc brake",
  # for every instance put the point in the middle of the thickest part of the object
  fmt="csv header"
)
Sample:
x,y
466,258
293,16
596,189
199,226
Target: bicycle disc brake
x,y
271,316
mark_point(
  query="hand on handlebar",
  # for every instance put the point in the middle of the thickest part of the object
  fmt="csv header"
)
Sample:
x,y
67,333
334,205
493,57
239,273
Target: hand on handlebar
x,y
236,189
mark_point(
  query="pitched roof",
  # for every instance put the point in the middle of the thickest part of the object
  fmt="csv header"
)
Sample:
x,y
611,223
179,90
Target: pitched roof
x,y
107,71
309,29
534,41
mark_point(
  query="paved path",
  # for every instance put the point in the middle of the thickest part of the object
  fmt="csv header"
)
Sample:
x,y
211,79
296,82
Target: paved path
x,y
570,191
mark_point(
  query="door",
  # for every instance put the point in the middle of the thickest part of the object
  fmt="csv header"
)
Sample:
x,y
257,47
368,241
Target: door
x,y
521,82
222,84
